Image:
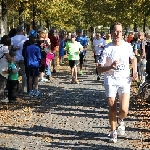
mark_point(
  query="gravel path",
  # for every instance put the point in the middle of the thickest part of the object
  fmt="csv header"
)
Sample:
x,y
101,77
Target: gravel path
x,y
68,117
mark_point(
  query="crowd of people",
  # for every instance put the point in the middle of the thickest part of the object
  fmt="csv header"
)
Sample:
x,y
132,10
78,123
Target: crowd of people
x,y
34,57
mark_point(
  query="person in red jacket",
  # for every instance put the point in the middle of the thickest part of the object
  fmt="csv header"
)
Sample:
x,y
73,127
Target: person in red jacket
x,y
54,44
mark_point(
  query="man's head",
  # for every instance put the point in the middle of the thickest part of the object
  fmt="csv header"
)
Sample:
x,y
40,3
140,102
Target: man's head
x,y
98,35
6,40
19,29
73,38
79,32
141,35
116,31
33,35
51,32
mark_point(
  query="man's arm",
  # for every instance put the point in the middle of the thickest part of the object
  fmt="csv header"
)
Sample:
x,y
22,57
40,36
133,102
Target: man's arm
x,y
93,46
143,47
101,68
80,48
8,57
134,64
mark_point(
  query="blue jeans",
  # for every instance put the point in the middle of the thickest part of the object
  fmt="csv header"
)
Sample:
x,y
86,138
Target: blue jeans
x,y
47,70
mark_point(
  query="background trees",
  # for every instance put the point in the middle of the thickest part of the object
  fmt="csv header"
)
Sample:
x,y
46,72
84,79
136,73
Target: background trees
x,y
72,14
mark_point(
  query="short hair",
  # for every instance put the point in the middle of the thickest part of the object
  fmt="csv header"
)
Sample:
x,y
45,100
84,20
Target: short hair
x,y
113,25
12,53
33,40
19,29
98,33
12,32
6,40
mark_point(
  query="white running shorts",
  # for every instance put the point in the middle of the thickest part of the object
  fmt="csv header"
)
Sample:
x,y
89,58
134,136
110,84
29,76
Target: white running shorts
x,y
112,90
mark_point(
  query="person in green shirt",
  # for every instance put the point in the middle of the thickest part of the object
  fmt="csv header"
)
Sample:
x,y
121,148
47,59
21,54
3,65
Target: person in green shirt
x,y
13,76
73,49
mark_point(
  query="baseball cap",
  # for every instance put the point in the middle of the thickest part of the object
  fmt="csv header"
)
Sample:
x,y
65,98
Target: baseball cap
x,y
33,33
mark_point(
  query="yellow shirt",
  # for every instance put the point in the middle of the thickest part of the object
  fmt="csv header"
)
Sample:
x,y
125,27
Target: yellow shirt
x,y
108,41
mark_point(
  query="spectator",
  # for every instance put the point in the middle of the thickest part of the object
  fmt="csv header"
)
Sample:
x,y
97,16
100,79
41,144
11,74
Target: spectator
x,y
18,40
54,44
33,62
45,48
27,43
61,49
4,57
13,82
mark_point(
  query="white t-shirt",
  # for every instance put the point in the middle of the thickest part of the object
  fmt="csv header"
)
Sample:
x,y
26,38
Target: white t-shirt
x,y
122,53
18,40
3,61
97,42
3,50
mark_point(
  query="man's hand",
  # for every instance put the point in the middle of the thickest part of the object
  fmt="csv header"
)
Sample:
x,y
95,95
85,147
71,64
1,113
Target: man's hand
x,y
135,76
17,48
114,64
99,45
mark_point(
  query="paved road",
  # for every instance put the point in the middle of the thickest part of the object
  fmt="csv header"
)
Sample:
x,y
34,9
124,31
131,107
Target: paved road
x,y
71,117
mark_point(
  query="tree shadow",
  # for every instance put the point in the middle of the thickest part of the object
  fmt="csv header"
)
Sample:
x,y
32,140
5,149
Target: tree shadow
x,y
74,138
6,148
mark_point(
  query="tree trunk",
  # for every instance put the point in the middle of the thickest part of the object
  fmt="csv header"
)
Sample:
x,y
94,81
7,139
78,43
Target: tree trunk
x,y
144,24
3,19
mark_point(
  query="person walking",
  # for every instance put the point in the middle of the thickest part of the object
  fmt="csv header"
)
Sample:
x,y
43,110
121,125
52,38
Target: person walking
x,y
115,63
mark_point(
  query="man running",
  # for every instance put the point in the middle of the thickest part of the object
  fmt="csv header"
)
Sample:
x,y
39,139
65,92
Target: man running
x,y
83,41
115,63
98,46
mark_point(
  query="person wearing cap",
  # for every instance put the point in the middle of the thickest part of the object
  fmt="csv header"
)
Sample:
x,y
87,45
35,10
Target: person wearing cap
x,y
74,48
32,34
84,43
18,41
33,53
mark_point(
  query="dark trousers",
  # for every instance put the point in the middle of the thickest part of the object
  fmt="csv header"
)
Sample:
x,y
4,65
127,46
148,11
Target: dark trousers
x,y
27,77
12,89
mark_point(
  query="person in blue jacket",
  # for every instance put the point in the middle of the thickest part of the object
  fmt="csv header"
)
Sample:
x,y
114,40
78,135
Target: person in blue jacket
x,y
33,63
83,41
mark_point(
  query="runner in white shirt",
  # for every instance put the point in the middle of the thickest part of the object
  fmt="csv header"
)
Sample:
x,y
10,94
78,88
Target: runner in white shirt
x,y
98,46
115,63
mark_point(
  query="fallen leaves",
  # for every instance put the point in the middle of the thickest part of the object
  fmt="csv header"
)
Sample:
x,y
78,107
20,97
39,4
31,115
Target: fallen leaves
x,y
142,111
15,117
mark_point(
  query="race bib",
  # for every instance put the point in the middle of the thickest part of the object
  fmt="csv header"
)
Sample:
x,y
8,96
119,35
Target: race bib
x,y
71,53
121,71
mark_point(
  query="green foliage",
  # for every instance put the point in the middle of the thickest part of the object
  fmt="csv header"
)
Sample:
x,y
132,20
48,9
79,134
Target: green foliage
x,y
71,14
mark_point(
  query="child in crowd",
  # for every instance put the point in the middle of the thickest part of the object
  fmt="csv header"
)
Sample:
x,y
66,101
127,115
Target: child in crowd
x,y
13,82
33,62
